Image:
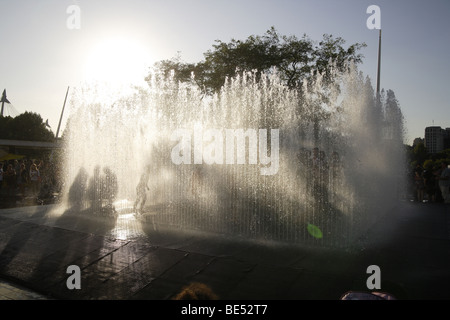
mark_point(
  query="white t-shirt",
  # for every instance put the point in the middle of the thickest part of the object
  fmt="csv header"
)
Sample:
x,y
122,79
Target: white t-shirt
x,y
34,175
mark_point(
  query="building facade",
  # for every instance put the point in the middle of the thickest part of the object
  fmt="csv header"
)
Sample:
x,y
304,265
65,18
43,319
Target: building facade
x,y
437,139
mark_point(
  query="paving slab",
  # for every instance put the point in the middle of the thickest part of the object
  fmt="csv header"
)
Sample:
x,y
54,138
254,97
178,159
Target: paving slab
x,y
128,259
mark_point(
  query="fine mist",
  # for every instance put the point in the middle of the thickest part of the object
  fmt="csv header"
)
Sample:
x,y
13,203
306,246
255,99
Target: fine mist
x,y
337,148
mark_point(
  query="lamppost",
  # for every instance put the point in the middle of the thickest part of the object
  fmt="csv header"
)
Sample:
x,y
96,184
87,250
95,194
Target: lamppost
x,y
379,65
62,112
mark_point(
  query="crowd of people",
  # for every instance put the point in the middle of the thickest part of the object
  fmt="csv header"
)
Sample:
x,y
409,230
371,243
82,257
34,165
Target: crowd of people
x,y
432,184
39,179
27,178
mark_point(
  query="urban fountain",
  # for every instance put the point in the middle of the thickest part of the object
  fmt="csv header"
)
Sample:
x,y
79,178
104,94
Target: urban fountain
x,y
256,160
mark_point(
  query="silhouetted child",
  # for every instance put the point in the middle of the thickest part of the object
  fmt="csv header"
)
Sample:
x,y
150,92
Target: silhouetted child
x,y
141,191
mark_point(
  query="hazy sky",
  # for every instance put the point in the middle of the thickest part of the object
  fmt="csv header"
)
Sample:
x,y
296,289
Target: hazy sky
x,y
42,54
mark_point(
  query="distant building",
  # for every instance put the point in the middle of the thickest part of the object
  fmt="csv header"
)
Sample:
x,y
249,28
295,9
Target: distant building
x,y
437,139
447,138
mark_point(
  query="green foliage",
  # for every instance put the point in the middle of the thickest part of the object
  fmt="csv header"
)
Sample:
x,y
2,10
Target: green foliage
x,y
440,155
419,155
26,126
428,164
295,59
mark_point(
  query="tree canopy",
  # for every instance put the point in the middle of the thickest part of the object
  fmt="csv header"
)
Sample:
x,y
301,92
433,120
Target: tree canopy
x,y
295,59
26,126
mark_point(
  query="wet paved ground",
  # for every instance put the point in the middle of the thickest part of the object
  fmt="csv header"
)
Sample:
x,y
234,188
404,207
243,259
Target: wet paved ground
x,y
127,259
12,291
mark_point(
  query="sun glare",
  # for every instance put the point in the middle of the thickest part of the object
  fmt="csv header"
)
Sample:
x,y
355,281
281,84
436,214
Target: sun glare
x,y
117,61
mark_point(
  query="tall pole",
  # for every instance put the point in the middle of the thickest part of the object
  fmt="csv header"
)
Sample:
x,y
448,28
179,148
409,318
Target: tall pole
x,y
379,65
62,112
3,100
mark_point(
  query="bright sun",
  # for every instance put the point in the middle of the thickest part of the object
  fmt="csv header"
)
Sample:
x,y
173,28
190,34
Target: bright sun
x,y
117,61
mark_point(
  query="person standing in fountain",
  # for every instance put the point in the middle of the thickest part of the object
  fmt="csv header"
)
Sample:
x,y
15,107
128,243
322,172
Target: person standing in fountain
x,y
77,191
141,191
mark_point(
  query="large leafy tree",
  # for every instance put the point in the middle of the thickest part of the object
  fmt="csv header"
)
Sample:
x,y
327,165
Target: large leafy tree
x,y
295,59
26,126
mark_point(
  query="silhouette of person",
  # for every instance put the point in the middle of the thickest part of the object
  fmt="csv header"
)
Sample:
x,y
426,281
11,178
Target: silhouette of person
x,y
77,190
141,191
